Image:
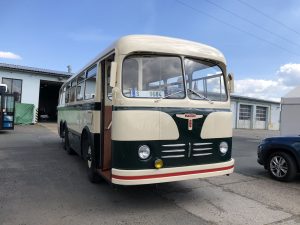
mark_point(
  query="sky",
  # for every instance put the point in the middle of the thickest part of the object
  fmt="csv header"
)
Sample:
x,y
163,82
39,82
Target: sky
x,y
260,39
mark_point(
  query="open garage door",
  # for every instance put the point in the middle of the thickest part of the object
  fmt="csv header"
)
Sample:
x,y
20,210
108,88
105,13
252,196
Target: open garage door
x,y
48,100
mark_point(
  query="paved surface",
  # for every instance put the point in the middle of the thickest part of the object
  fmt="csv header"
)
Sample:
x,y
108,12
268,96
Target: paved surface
x,y
41,184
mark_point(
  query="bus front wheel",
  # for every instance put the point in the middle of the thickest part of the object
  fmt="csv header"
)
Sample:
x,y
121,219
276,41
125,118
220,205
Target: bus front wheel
x,y
91,162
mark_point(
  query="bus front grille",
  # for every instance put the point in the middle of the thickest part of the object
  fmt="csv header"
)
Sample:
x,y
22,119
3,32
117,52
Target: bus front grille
x,y
186,150
173,151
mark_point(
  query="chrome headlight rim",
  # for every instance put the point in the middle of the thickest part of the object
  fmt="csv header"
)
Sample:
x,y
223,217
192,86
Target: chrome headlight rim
x,y
144,152
223,148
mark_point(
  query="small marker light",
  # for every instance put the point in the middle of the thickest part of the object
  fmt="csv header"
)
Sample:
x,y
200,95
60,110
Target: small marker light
x,y
158,163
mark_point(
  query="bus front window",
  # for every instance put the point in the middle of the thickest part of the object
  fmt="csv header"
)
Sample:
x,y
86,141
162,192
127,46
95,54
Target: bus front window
x,y
205,80
152,77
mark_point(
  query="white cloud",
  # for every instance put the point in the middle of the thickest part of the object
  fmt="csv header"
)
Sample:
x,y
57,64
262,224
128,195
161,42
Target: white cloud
x,y
285,79
289,74
9,55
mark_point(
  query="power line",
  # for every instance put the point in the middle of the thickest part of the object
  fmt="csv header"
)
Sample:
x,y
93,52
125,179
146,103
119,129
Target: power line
x,y
235,27
269,17
254,24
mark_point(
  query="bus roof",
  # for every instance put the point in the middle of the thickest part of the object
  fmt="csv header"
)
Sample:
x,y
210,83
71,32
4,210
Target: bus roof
x,y
159,44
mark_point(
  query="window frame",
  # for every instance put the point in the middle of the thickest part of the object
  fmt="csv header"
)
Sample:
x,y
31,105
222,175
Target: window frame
x,y
90,77
12,79
242,114
153,55
216,63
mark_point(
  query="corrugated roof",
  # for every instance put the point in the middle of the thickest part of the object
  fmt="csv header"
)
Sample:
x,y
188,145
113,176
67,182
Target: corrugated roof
x,y
237,97
34,70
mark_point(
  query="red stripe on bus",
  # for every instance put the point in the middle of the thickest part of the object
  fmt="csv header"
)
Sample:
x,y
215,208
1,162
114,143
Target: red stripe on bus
x,y
171,174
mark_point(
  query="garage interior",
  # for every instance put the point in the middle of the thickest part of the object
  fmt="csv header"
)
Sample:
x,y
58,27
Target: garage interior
x,y
48,100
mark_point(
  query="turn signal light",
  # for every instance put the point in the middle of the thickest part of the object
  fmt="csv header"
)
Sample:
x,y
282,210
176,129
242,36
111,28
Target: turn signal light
x,y
158,163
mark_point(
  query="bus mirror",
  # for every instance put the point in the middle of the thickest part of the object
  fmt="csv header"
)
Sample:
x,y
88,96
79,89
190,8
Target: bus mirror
x,y
230,82
113,74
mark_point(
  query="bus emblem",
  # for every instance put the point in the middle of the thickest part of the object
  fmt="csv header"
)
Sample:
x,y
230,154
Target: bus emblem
x,y
190,117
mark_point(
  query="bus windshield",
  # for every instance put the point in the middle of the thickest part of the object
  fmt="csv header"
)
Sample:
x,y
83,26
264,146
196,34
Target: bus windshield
x,y
153,77
162,77
204,80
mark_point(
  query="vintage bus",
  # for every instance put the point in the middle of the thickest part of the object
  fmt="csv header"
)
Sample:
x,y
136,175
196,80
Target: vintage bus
x,y
7,109
150,109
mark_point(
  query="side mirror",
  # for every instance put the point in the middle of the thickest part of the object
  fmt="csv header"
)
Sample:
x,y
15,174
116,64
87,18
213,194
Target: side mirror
x,y
230,83
113,74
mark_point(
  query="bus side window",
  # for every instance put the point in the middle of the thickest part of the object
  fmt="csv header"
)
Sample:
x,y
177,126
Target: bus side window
x,y
67,93
90,83
72,91
130,76
80,87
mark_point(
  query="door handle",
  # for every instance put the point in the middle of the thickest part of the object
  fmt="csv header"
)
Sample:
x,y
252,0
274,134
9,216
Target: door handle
x,y
109,126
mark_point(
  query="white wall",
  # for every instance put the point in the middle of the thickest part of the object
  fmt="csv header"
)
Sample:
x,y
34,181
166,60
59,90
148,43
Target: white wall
x,y
30,84
274,123
290,120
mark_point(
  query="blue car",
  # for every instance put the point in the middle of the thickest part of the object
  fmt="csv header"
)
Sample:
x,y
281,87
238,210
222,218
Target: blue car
x,y
280,156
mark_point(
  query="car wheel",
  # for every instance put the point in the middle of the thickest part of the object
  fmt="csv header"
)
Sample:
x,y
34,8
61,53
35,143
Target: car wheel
x,y
67,147
93,176
282,166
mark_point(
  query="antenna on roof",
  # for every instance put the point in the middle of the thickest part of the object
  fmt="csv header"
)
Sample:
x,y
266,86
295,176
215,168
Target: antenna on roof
x,y
69,68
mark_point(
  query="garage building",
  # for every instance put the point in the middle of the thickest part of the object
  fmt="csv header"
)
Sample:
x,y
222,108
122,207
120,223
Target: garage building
x,y
36,86
253,113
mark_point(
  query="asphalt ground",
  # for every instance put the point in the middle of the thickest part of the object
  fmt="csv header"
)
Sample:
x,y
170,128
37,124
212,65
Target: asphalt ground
x,y
41,184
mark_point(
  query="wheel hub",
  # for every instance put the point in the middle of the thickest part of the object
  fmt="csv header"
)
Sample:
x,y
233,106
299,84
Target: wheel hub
x,y
278,166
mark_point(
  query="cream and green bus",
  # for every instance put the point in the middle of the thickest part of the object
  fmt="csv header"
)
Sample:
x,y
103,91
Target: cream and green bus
x,y
150,109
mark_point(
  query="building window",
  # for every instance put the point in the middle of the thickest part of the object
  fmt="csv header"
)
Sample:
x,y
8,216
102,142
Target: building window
x,y
261,113
14,86
245,112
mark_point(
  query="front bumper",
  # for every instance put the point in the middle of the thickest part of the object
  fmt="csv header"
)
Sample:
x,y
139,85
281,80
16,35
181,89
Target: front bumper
x,y
150,176
259,155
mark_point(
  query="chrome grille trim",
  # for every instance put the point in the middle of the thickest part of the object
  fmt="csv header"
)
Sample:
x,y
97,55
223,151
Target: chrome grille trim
x,y
202,154
173,156
199,144
174,150
201,149
174,145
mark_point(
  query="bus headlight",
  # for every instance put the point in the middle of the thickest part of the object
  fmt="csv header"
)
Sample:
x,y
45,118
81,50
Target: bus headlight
x,y
144,152
223,147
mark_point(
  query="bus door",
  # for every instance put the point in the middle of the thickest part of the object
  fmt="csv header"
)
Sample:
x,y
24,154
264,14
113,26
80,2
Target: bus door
x,y
106,118
7,107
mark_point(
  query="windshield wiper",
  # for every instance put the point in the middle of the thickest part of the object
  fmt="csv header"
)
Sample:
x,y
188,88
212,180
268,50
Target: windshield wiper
x,y
167,96
201,96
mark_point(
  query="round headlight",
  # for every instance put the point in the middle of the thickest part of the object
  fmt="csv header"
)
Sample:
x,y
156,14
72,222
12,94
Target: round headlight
x,y
223,147
144,152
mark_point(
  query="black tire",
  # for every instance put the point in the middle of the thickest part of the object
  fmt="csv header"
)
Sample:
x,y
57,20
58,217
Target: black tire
x,y
282,166
90,161
67,147
64,140
61,131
